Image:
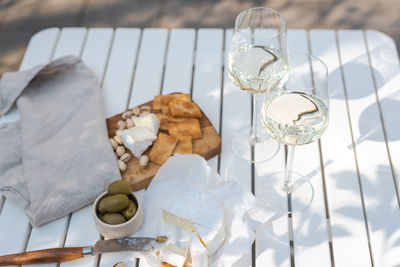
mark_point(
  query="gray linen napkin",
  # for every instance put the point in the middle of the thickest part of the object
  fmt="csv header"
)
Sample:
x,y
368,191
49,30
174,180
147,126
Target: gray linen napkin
x,y
57,158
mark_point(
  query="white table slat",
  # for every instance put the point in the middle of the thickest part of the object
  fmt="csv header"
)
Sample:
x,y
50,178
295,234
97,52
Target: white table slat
x,y
149,73
269,251
207,77
179,62
272,242
178,68
382,210
96,50
14,224
39,52
40,48
349,236
386,70
310,233
118,79
53,233
149,70
235,114
105,37
82,232
70,42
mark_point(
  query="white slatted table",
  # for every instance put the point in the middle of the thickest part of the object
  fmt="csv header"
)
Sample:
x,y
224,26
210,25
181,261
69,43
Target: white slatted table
x,y
354,219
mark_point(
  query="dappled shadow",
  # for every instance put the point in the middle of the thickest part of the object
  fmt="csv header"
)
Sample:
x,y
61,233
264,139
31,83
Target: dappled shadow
x,y
355,72
381,202
375,133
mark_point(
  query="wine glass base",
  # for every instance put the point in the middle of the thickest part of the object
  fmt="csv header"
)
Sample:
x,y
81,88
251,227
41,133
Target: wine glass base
x,y
260,149
280,201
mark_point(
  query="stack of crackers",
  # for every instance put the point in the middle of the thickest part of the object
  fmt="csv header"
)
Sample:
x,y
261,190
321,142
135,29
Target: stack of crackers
x,y
180,117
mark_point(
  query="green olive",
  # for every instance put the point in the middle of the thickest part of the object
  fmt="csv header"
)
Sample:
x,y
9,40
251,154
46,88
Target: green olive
x,y
119,187
130,211
100,207
113,218
114,203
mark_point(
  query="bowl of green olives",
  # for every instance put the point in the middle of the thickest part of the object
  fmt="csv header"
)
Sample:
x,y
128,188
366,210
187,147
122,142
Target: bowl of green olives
x,y
117,212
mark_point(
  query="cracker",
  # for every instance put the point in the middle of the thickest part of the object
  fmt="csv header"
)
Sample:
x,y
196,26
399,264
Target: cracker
x,y
163,121
162,148
173,119
163,100
189,127
184,109
165,110
157,105
168,98
184,145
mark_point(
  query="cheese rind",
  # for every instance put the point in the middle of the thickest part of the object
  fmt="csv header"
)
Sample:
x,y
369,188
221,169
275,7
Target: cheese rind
x,y
137,139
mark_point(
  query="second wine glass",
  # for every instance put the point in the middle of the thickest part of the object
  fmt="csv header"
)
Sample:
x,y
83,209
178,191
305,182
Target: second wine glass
x,y
295,114
257,63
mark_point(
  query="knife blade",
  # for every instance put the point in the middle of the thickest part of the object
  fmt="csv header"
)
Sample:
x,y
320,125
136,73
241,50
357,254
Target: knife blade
x,y
71,253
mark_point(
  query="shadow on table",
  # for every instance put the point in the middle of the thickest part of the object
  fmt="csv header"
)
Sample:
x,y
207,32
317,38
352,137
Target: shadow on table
x,y
381,204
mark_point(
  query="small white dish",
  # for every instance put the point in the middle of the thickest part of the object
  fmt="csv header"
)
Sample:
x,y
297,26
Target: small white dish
x,y
127,228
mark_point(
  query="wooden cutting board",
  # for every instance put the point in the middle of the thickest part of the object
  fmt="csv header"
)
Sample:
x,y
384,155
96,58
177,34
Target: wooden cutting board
x,y
208,147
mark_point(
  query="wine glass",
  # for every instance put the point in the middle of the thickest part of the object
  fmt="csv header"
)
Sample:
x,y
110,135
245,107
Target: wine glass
x,y
256,63
295,113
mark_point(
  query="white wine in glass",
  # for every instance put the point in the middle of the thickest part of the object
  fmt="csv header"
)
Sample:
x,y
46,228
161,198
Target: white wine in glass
x,y
296,113
256,69
257,63
295,118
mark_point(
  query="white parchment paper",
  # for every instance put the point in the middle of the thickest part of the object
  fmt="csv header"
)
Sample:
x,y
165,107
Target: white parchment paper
x,y
183,174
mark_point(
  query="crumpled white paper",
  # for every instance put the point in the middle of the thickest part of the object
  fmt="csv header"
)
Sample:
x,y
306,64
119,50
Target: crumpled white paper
x,y
190,173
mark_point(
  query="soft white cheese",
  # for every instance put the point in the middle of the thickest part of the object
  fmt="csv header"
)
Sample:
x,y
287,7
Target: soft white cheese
x,y
149,121
173,255
207,217
137,139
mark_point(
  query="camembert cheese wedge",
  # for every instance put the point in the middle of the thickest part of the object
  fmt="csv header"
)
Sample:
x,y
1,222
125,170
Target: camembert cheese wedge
x,y
138,138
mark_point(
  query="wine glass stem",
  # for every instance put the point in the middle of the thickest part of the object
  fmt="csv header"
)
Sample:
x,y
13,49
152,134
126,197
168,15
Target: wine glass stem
x,y
287,184
257,99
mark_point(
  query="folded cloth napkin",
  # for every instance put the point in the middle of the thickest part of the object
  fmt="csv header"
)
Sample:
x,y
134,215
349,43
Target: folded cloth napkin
x,y
57,158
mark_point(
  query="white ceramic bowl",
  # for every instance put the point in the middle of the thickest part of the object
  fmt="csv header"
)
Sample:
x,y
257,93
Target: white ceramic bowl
x,y
127,228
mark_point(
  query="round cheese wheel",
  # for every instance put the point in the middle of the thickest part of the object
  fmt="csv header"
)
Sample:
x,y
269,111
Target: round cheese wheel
x,y
207,215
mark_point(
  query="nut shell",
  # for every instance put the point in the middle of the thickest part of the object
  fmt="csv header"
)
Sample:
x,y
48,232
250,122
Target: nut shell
x,y
136,111
113,143
145,108
144,161
121,165
121,125
125,157
129,123
127,114
120,151
118,139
